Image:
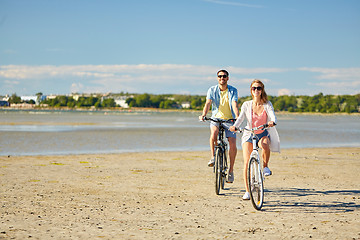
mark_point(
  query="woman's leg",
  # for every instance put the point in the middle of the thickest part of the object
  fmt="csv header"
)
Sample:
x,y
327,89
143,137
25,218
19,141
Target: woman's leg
x,y
247,149
264,144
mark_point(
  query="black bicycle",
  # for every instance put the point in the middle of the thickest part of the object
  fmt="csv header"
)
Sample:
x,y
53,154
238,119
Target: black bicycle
x,y
220,165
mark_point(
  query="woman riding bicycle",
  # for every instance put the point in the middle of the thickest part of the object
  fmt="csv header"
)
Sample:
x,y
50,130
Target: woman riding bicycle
x,y
258,111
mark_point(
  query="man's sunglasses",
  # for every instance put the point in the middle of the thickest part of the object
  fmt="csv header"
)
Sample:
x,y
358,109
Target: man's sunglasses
x,y
256,88
220,76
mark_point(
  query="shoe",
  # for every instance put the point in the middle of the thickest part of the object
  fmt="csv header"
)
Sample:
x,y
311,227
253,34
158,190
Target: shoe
x,y
230,178
267,171
211,162
246,196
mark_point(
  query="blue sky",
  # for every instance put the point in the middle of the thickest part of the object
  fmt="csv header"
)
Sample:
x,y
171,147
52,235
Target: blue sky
x,y
300,47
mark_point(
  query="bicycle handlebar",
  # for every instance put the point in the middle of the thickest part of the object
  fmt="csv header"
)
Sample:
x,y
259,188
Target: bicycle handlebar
x,y
261,127
219,120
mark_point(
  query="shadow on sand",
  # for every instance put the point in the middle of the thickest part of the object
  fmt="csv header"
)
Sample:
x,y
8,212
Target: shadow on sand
x,y
311,200
304,200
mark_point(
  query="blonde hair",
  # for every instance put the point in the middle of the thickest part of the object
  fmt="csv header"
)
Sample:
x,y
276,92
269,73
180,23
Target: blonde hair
x,y
263,96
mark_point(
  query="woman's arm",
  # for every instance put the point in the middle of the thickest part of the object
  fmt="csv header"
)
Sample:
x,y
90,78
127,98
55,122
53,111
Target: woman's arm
x,y
271,114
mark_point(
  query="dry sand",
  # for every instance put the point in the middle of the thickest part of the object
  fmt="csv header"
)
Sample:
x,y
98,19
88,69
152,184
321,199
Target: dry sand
x,y
313,193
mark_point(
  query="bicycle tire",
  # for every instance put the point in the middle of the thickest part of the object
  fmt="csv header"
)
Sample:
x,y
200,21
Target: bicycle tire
x,y
218,170
255,183
223,173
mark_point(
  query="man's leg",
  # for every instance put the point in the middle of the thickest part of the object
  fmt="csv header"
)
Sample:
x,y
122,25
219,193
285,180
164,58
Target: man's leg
x,y
232,152
214,131
232,156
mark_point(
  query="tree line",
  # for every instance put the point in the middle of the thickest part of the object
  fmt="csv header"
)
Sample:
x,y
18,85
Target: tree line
x,y
70,102
167,101
318,103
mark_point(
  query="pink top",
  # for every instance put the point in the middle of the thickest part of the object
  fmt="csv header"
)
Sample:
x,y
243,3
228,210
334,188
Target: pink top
x,y
258,120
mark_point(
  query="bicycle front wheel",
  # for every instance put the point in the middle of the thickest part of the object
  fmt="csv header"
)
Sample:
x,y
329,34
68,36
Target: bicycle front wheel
x,y
255,183
223,170
218,170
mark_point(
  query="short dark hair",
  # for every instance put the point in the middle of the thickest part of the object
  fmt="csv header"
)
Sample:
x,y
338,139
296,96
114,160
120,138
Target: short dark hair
x,y
224,71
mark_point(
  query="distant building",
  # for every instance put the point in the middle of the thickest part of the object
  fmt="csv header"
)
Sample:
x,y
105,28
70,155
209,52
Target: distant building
x,y
121,101
6,98
51,97
28,98
36,99
185,105
76,97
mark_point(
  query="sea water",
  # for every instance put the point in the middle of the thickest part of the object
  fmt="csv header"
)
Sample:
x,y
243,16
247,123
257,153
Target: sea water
x,y
84,132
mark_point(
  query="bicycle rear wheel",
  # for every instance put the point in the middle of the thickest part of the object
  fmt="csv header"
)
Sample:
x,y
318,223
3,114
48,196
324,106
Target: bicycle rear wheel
x,y
255,183
218,170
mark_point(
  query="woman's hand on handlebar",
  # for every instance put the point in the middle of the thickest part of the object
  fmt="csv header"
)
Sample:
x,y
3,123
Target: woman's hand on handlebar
x,y
201,118
271,124
232,128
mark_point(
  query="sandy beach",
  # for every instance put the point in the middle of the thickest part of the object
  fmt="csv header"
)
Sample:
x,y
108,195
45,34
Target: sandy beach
x,y
313,193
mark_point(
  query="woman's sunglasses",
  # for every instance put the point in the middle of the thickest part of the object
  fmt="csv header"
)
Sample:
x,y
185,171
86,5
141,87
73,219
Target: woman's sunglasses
x,y
256,88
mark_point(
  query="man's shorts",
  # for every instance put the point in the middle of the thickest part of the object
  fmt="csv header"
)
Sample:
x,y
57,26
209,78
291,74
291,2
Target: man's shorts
x,y
228,133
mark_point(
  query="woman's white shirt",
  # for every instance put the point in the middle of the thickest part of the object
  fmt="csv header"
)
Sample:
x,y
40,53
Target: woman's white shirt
x,y
246,112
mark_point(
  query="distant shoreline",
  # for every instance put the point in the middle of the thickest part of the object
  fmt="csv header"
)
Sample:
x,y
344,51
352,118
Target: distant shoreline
x,y
140,109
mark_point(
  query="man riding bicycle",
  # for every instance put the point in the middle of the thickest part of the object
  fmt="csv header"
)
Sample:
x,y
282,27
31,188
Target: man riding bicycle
x,y
223,99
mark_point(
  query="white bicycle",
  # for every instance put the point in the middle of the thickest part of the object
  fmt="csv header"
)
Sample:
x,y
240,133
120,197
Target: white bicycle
x,y
255,177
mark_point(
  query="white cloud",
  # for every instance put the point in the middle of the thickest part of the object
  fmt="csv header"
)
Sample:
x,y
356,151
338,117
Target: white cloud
x,y
76,88
248,81
284,91
167,78
150,71
336,80
11,82
346,74
338,85
93,74
245,71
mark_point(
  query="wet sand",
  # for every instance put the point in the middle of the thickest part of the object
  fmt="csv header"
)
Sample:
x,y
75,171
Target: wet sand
x,y
313,193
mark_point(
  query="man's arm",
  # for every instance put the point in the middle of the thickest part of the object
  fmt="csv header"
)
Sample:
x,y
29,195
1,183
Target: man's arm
x,y
235,108
205,109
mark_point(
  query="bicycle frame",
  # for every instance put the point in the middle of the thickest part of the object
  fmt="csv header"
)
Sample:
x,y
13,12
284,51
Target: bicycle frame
x,y
255,152
221,142
222,145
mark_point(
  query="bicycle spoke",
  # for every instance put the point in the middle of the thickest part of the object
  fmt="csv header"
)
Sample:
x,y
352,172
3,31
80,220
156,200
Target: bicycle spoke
x,y
255,184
